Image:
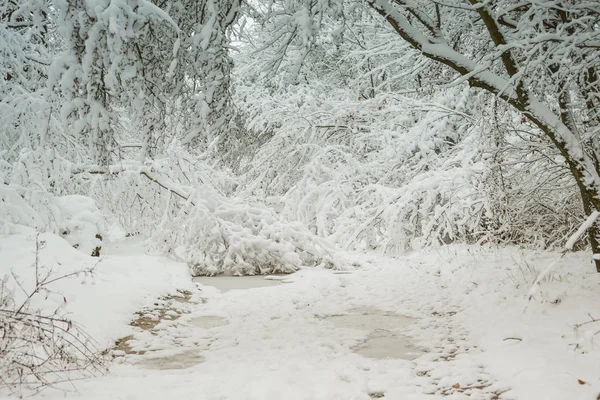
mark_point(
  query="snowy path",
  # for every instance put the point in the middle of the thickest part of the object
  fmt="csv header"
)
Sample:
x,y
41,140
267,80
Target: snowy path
x,y
277,342
305,339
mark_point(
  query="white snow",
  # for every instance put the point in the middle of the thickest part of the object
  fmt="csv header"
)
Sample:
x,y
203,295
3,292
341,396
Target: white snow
x,y
459,314
103,303
214,138
81,222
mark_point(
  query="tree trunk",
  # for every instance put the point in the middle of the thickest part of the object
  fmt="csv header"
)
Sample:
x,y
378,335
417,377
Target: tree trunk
x,y
593,232
590,89
564,104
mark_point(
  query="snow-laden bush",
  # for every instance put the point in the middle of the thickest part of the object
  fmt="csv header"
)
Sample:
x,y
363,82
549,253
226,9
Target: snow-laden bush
x,y
218,235
135,202
199,221
31,195
82,224
391,170
532,198
15,210
75,218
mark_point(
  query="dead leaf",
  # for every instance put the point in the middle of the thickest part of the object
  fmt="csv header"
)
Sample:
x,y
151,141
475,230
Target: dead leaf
x,y
456,385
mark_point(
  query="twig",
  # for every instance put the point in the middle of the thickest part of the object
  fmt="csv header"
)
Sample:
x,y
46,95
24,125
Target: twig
x,y
591,321
41,350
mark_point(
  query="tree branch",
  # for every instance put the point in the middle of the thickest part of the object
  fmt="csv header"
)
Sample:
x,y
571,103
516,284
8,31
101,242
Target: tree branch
x,y
542,116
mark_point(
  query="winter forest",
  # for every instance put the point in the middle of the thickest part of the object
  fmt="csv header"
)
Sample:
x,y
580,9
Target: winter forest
x,y
408,190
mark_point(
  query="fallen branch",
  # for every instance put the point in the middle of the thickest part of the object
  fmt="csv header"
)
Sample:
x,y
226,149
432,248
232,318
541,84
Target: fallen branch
x,y
587,224
591,219
166,183
147,172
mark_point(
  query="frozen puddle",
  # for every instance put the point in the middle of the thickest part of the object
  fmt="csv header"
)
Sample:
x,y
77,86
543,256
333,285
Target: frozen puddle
x,y
208,321
226,283
384,341
176,361
382,346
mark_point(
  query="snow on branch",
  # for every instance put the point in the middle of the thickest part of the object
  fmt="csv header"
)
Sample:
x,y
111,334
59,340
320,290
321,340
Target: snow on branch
x,y
587,224
241,239
215,234
218,235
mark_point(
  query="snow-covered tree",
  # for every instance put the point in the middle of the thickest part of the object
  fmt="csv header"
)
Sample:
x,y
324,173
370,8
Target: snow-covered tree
x,y
538,57
103,67
25,54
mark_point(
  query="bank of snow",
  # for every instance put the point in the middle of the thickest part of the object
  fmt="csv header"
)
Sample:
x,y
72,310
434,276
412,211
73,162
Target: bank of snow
x,y
537,346
104,302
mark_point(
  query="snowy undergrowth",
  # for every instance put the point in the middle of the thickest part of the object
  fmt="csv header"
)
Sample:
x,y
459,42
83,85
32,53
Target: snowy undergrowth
x,y
368,150
202,223
181,203
76,218
40,190
216,235
395,172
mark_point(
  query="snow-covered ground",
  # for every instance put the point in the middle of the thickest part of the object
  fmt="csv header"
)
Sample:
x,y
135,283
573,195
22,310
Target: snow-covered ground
x,y
123,281
462,314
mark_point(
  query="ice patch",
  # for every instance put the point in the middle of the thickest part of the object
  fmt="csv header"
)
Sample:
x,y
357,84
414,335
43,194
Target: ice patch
x,y
227,283
176,361
384,341
383,345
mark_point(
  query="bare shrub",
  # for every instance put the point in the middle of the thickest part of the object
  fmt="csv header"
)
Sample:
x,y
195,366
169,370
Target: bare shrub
x,y
38,348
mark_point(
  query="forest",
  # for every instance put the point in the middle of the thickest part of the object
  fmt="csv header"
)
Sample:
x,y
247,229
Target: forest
x,y
241,138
